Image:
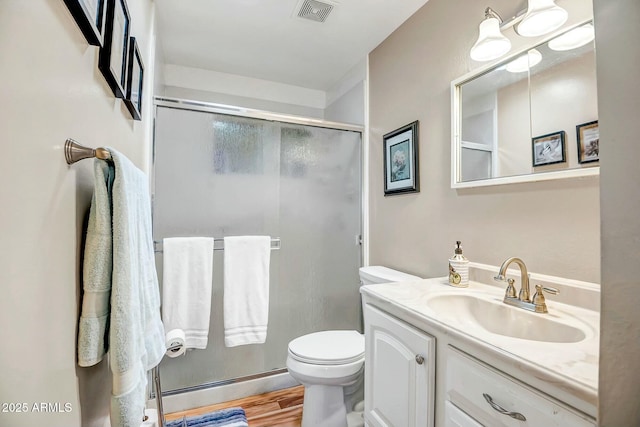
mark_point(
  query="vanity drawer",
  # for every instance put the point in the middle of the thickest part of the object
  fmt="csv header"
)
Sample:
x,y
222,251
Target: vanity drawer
x,y
454,417
468,381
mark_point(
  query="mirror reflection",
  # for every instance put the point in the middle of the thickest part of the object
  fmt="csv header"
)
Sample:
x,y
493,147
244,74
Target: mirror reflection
x,y
535,113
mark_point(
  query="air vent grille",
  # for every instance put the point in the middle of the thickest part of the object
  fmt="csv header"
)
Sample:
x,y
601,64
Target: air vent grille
x,y
315,10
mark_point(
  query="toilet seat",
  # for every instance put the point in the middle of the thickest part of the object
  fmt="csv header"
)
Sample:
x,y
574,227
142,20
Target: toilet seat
x,y
328,348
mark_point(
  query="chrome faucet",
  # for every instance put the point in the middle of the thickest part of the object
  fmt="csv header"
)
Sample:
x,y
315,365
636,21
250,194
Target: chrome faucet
x,y
523,300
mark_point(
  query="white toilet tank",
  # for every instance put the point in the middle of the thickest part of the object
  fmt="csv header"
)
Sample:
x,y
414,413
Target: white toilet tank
x,y
378,274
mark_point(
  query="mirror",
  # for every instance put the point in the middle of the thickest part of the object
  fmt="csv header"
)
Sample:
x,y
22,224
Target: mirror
x,y
531,117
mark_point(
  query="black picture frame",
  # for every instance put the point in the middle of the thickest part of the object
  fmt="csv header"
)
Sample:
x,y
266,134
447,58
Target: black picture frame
x,y
90,17
401,172
112,60
135,80
588,137
548,149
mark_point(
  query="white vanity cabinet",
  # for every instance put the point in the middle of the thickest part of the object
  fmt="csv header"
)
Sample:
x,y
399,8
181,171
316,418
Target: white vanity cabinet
x,y
399,372
472,388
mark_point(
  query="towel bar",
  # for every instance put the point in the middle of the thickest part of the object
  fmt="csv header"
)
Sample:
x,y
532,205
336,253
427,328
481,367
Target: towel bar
x,y
218,244
74,152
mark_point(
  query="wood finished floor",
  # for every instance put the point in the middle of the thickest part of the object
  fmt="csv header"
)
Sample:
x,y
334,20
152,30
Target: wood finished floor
x,y
281,408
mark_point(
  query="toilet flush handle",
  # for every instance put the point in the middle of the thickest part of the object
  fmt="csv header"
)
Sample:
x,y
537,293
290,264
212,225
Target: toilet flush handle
x,y
419,359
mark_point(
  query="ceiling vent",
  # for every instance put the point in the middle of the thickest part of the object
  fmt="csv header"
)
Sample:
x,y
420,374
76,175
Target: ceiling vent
x,y
315,10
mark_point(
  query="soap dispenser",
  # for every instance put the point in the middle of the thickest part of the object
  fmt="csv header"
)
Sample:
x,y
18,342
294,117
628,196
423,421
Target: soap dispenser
x,y
458,268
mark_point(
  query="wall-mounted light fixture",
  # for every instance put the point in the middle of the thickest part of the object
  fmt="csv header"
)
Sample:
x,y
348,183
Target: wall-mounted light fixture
x,y
491,42
541,17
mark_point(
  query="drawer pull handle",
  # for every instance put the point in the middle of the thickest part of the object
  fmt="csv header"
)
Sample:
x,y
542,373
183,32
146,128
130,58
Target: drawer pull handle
x,y
494,405
419,359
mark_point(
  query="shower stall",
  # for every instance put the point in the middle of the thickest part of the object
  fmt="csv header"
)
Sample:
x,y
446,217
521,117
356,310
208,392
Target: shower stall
x,y
220,172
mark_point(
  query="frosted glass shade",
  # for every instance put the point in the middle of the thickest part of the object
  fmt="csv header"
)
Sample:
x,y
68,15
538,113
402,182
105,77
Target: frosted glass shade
x,y
524,62
542,17
491,43
573,39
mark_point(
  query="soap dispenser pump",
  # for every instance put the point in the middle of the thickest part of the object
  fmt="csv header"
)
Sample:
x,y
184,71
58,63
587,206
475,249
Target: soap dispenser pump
x,y
458,268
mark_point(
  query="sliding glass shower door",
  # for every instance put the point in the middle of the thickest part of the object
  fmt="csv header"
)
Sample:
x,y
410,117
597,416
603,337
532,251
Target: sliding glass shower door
x,y
220,175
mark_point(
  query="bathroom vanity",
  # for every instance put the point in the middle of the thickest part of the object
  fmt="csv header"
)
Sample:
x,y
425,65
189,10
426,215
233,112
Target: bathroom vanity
x,y
442,356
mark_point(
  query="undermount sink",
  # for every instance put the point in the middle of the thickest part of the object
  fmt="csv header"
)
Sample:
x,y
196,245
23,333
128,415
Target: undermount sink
x,y
494,316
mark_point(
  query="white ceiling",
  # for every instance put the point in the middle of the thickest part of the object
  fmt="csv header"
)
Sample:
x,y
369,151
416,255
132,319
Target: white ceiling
x,y
265,39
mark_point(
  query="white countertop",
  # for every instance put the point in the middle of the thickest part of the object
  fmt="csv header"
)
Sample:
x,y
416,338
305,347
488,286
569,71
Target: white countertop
x,y
570,367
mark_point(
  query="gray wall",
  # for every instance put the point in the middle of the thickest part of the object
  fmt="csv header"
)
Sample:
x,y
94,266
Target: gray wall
x,y
554,226
618,61
349,108
52,90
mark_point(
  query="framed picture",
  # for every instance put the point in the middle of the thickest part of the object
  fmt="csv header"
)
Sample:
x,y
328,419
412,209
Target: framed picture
x,y
90,17
588,137
135,78
113,54
401,160
548,149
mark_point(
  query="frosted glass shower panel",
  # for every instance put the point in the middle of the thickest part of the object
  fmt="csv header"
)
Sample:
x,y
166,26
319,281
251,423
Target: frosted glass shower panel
x,y
220,175
320,206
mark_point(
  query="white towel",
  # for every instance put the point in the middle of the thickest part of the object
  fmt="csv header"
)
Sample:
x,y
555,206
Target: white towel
x,y
246,289
186,287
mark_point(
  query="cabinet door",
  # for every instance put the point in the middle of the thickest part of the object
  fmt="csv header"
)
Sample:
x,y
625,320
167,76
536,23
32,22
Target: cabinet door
x,y
399,372
454,417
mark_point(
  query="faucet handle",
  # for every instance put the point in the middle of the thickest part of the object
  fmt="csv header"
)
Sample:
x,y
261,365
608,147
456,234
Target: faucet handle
x,y
552,291
538,298
511,290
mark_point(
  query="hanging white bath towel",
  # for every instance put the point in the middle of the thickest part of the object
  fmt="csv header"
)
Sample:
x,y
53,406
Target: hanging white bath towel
x,y
187,275
136,333
246,289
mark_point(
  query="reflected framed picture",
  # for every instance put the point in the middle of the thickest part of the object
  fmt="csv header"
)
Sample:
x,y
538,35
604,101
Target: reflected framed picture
x,y
90,17
588,136
135,79
548,149
112,61
401,160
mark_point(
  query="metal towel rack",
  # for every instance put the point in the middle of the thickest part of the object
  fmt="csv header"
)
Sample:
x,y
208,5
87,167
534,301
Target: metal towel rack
x,y
74,152
218,244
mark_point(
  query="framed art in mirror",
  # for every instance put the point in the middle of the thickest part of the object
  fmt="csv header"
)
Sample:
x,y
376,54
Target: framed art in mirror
x,y
401,160
90,17
135,79
112,61
588,136
548,149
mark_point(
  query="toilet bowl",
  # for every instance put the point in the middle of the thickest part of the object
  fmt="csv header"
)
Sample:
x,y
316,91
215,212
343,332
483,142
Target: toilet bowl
x,y
326,363
330,365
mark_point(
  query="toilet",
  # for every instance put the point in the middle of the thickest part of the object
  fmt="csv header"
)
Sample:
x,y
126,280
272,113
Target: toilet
x,y
330,365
